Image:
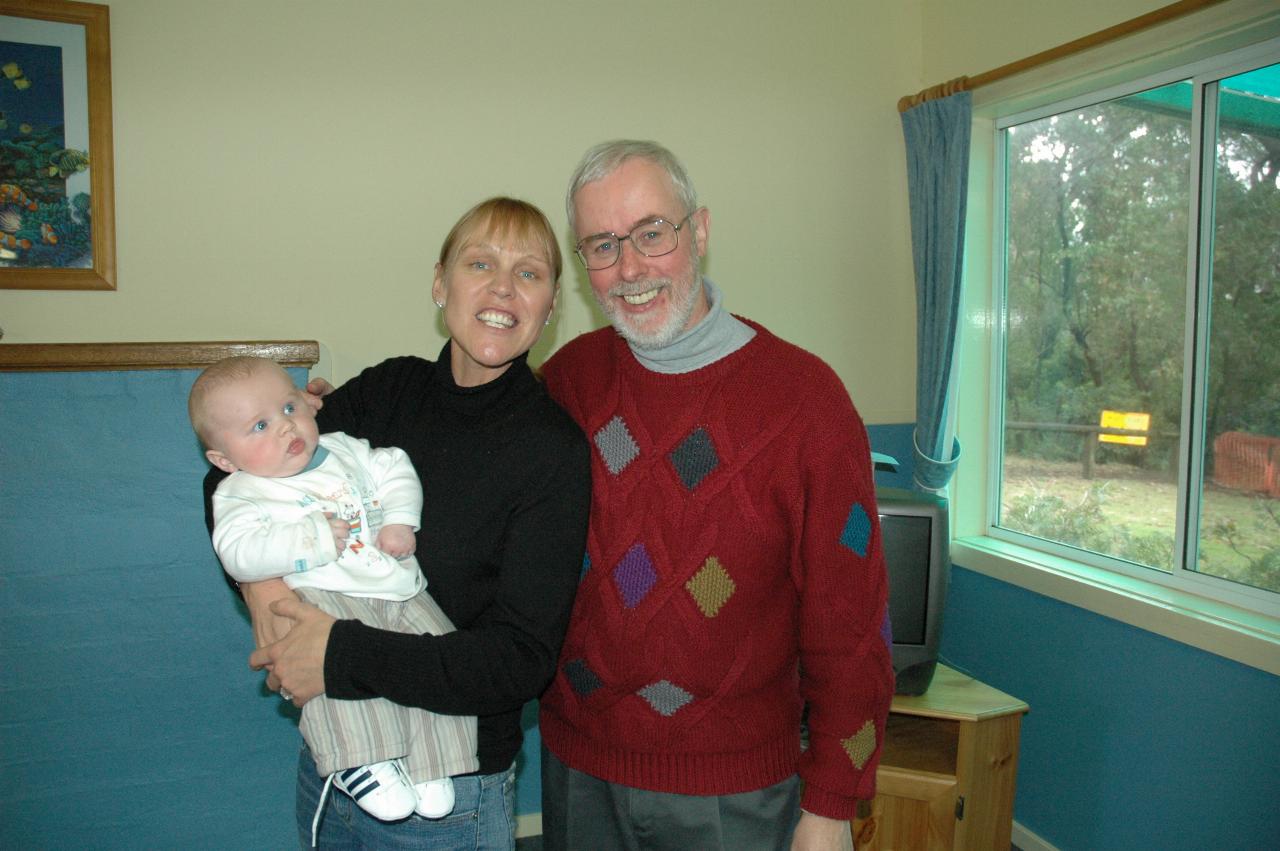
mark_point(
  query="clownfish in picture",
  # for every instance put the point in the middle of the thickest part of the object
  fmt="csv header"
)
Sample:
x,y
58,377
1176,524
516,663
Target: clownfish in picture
x,y
15,233
10,194
8,240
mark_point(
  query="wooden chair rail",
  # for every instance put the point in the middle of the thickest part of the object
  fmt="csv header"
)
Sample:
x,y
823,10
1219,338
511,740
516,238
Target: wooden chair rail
x,y
78,357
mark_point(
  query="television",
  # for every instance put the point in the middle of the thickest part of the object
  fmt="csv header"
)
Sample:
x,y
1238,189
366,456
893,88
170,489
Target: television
x,y
913,530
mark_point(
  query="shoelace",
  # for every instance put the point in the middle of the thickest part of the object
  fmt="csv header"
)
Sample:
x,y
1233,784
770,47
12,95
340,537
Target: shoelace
x,y
324,796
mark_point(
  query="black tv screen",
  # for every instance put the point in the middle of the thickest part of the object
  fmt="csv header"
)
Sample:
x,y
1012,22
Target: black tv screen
x,y
914,535
906,548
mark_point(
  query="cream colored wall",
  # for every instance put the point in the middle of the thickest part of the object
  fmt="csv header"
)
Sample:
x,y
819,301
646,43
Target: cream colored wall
x,y
969,37
288,169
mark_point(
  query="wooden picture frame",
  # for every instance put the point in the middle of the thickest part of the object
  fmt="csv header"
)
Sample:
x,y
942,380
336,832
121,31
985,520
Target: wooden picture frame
x,y
25,221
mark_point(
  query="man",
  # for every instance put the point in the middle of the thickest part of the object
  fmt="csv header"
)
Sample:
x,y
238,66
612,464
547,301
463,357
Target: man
x,y
733,571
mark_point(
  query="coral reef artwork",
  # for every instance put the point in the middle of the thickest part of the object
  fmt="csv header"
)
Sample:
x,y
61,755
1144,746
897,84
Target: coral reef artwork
x,y
43,223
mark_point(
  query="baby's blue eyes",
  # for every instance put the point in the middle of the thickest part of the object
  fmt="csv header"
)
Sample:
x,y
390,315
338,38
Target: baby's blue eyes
x,y
289,410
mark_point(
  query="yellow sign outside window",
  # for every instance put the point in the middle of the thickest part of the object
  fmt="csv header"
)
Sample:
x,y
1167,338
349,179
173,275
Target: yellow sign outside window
x,y
1128,420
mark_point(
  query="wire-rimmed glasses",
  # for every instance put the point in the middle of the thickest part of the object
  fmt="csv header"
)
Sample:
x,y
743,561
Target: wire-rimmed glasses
x,y
653,238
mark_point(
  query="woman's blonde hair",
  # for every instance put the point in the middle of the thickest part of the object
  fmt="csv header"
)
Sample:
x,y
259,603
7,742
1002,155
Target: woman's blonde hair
x,y
505,220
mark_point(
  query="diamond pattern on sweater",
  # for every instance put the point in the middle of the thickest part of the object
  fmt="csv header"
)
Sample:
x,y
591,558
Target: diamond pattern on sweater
x,y
581,678
711,587
617,447
857,530
694,458
665,698
634,576
861,745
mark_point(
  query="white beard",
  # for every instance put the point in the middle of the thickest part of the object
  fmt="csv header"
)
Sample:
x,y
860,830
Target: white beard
x,y
680,307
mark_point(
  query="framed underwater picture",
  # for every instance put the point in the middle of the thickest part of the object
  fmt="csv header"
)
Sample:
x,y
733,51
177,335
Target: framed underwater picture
x,y
57,202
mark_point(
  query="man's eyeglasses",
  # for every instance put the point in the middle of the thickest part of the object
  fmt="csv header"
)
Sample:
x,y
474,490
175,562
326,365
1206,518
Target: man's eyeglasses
x,y
652,239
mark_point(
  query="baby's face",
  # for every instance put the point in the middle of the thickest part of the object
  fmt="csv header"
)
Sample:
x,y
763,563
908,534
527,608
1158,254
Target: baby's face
x,y
262,425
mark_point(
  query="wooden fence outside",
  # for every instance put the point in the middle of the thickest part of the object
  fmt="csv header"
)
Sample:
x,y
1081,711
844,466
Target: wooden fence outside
x,y
1089,438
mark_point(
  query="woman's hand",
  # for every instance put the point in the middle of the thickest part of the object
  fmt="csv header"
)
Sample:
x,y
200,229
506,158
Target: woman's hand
x,y
268,627
315,391
296,662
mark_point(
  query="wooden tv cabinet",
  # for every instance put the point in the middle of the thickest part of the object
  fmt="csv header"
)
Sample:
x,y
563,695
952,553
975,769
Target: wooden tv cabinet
x,y
947,775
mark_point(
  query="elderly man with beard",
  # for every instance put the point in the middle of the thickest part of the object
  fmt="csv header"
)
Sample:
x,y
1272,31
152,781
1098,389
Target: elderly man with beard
x,y
733,575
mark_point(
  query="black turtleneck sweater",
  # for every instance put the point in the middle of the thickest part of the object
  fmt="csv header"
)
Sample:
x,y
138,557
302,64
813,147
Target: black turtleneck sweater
x,y
506,483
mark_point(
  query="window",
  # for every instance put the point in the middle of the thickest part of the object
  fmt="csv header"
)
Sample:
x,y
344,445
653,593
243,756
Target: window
x,y
1135,416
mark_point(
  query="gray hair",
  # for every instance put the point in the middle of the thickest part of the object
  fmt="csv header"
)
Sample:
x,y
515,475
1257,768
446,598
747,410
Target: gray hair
x,y
605,158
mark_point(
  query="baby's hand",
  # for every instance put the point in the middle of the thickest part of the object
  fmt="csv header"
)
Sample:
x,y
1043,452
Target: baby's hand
x,y
341,531
397,540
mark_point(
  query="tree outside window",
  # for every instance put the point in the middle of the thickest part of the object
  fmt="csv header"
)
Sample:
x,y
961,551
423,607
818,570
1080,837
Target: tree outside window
x,y
1137,281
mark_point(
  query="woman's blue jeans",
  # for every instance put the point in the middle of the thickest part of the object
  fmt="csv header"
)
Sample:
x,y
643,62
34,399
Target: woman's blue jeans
x,y
483,817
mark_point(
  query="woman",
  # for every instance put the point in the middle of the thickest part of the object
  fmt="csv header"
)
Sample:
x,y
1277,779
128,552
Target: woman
x,y
506,482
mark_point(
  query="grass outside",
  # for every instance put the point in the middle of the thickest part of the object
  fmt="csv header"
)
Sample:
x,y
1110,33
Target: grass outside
x,y
1134,500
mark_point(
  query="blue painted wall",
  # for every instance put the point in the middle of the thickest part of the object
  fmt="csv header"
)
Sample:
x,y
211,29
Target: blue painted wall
x,y
1133,741
894,441
128,716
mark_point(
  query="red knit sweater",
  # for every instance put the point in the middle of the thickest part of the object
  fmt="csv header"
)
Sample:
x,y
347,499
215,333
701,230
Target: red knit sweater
x,y
733,573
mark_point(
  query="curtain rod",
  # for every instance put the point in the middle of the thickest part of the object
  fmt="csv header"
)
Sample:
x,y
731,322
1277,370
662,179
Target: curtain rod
x,y
1079,45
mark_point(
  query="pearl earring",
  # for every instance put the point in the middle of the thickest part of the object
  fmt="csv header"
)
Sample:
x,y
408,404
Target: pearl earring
x,y
440,304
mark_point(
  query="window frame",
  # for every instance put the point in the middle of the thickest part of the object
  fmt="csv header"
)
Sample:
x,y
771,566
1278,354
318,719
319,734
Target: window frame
x,y
1216,615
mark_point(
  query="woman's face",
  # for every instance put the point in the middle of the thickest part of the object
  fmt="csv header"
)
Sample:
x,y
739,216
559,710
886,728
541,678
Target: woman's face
x,y
497,298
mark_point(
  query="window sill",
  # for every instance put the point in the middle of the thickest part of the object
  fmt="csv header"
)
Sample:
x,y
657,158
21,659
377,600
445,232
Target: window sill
x,y
1247,637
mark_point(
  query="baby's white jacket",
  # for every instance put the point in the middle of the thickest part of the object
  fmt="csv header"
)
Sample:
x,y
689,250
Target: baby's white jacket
x,y
267,528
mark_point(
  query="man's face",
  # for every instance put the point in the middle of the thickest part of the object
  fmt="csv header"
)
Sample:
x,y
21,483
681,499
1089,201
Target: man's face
x,y
649,300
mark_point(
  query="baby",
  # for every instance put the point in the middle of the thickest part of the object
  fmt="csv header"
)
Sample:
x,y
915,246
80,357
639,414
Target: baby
x,y
336,520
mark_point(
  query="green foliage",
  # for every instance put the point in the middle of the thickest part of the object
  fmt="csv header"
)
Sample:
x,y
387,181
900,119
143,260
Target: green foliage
x,y
1097,228
1097,225
1262,570
1085,525
1246,296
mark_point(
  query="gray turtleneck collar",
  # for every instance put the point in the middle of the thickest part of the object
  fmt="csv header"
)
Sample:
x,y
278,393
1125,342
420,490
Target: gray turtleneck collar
x,y
716,335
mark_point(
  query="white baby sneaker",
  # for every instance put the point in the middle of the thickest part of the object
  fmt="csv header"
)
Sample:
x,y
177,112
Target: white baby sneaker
x,y
435,798
381,789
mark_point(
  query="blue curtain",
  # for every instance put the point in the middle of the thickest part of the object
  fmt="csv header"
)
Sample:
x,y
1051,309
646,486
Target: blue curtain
x,y
937,139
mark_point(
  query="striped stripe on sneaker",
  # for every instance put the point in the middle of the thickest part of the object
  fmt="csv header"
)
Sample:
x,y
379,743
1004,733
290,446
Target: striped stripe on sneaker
x,y
358,782
381,789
